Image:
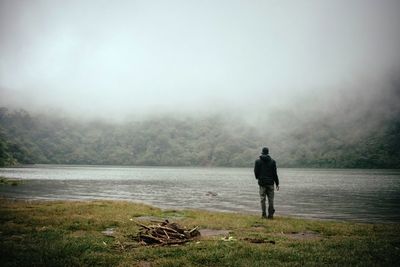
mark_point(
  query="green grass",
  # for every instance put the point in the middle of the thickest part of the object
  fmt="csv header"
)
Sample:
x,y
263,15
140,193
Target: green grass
x,y
7,181
68,233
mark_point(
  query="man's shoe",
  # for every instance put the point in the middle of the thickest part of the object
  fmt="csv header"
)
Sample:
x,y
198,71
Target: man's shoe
x,y
271,217
264,216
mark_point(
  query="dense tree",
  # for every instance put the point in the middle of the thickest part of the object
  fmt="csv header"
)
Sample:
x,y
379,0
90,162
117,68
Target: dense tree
x,y
207,141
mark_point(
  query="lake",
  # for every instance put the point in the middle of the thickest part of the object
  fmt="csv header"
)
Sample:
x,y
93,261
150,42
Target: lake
x,y
341,194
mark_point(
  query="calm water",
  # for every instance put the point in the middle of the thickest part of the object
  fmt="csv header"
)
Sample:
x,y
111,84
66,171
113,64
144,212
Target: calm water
x,y
359,195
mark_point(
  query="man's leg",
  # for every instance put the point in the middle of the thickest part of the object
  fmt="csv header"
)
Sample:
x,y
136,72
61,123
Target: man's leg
x,y
263,193
270,193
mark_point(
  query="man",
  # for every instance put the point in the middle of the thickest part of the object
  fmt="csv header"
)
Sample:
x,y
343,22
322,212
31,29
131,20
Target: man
x,y
265,172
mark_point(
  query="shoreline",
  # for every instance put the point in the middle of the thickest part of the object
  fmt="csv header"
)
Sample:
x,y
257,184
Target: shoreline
x,y
34,165
249,213
326,195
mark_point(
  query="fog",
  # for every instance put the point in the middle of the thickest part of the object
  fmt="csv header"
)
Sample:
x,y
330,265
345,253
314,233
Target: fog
x,y
116,59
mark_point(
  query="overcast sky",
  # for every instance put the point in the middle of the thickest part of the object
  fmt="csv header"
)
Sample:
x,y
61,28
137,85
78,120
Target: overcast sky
x,y
119,57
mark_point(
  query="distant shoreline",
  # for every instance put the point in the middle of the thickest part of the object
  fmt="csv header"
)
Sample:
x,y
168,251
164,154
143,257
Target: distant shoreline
x,y
181,166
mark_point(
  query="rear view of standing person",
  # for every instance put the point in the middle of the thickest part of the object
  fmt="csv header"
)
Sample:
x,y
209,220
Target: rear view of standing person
x,y
265,172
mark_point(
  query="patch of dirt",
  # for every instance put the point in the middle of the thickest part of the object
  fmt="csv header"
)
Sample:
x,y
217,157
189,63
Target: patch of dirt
x,y
259,240
79,233
213,232
303,235
144,264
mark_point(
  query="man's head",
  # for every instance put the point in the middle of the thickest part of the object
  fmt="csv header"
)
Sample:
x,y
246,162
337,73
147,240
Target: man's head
x,y
265,151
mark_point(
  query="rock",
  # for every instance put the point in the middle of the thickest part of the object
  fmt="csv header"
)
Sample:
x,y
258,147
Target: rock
x,y
109,232
211,194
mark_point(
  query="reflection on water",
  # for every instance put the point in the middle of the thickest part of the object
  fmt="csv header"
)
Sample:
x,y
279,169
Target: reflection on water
x,y
361,195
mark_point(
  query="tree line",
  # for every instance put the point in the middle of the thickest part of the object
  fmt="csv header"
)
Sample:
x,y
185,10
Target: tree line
x,y
212,140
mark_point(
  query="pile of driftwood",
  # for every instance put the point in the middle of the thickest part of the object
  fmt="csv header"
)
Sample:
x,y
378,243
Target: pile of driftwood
x,y
165,233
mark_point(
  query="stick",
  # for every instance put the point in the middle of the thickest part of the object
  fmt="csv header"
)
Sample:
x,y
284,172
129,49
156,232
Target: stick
x,y
194,229
152,238
170,229
142,225
166,234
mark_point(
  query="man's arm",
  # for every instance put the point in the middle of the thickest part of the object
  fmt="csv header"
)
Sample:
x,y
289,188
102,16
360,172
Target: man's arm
x,y
276,179
256,169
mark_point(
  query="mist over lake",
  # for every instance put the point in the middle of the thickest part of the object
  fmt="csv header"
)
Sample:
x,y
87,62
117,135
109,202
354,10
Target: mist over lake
x,y
195,108
191,88
355,195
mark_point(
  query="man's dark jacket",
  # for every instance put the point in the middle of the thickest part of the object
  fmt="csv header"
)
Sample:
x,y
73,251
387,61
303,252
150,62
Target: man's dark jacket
x,y
265,171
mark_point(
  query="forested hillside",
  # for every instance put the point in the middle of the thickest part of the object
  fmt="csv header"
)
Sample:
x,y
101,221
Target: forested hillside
x,y
194,141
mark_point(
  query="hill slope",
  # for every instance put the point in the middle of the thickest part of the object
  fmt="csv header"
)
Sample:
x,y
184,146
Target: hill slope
x,y
207,141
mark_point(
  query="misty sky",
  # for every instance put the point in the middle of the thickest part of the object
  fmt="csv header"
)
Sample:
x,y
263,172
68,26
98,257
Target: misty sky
x,y
121,57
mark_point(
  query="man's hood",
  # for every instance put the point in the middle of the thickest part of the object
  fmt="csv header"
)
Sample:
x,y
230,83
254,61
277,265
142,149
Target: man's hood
x,y
265,158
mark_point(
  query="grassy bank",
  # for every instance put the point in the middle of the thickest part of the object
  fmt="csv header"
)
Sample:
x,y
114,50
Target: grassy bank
x,y
70,233
8,181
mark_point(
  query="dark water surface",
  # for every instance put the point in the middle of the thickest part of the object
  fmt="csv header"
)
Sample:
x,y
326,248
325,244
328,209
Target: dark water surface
x,y
358,195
